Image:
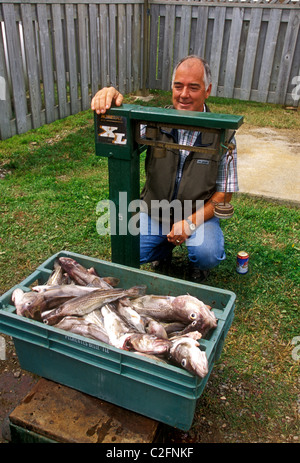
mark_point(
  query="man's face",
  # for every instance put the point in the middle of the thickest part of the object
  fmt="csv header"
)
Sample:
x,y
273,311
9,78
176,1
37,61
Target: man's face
x,y
188,90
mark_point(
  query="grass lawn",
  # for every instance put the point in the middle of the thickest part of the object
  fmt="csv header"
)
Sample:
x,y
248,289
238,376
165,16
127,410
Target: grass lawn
x,y
49,195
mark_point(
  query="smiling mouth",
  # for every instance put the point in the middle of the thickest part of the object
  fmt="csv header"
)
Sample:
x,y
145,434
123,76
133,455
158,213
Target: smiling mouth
x,y
184,103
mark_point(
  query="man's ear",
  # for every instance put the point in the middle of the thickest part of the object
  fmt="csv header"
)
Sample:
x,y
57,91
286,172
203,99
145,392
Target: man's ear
x,y
208,91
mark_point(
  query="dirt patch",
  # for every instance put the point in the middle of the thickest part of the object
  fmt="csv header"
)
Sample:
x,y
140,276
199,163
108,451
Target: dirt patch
x,y
269,162
14,384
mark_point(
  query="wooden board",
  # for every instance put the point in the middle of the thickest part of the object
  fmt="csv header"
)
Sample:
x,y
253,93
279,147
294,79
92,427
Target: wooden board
x,y
65,415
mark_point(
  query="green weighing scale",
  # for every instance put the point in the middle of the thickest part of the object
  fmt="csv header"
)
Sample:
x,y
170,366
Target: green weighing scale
x,y
118,137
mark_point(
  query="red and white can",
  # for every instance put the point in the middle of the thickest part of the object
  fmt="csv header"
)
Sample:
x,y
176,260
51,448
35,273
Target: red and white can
x,y
242,262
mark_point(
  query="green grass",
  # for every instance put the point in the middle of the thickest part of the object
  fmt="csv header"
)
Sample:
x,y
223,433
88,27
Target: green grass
x,y
48,203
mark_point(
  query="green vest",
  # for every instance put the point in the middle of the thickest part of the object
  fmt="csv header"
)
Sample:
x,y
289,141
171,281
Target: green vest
x,y
199,175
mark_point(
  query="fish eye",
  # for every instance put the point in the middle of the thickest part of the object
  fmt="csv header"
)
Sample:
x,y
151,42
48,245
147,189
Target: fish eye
x,y
183,362
194,323
193,316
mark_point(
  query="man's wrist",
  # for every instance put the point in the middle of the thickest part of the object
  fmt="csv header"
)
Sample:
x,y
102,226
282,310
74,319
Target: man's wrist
x,y
191,225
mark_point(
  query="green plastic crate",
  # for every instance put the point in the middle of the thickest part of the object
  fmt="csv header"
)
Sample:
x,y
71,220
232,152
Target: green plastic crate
x,y
150,387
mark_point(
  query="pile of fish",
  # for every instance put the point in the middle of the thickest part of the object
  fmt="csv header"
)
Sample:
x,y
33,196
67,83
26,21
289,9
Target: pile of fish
x,y
77,299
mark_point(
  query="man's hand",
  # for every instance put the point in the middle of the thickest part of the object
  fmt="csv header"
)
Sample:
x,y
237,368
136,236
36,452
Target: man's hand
x,y
179,233
105,98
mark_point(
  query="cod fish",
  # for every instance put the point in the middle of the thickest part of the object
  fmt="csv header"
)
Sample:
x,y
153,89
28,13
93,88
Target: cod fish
x,y
67,290
56,277
83,277
186,309
124,336
155,328
201,316
185,351
28,304
82,305
31,304
78,325
116,328
133,318
148,344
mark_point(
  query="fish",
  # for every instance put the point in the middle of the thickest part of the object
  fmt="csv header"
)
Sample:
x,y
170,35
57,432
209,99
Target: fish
x,y
157,307
95,317
78,325
122,336
185,308
56,277
32,304
83,277
66,289
133,318
117,329
185,351
28,304
78,300
82,305
148,343
197,312
155,328
173,327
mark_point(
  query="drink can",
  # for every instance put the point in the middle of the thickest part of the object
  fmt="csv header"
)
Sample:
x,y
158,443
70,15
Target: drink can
x,y
242,262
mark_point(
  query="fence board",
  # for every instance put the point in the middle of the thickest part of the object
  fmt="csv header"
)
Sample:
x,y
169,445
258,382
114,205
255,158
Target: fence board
x,y
16,67
121,49
233,49
94,41
46,63
268,55
72,58
32,65
182,35
103,48
168,47
112,52
287,56
250,54
201,31
154,29
5,101
217,41
60,68
61,51
136,48
83,56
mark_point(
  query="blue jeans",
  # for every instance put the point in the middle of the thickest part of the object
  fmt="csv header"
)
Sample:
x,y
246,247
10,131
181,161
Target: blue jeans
x,y
205,246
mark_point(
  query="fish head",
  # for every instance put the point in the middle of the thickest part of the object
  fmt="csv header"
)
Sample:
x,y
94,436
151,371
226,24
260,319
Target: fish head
x,y
76,271
28,304
187,307
193,310
185,351
17,297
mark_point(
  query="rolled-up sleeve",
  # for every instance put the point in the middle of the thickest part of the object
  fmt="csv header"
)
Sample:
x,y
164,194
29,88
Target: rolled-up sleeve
x,y
232,184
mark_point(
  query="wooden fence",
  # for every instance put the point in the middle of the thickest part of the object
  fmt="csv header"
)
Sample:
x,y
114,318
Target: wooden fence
x,y
55,54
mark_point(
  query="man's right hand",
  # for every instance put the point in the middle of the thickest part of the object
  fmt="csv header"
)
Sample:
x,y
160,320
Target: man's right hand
x,y
105,98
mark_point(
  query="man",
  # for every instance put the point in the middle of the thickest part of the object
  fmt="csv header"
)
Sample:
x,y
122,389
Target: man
x,y
183,175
